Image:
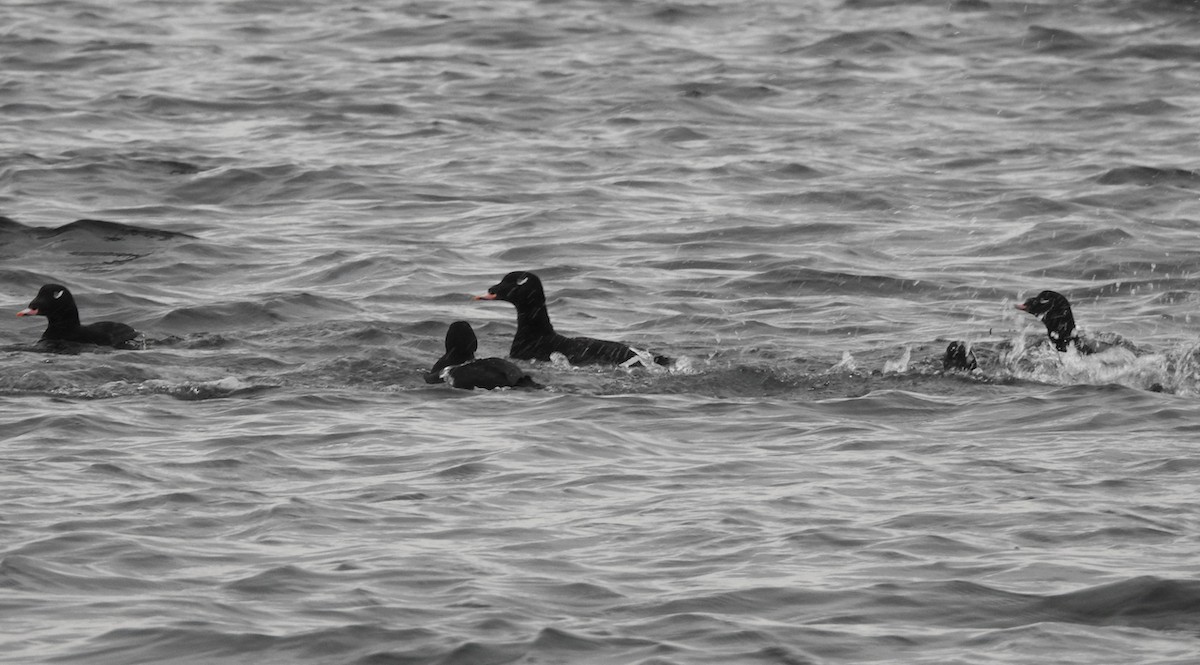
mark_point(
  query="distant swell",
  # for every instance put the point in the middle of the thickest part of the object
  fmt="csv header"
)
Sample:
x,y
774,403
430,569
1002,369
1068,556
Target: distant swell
x,y
865,42
89,228
1143,602
1149,175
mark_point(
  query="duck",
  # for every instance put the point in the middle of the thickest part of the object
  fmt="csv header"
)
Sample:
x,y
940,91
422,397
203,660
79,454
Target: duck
x,y
1054,311
55,302
536,338
459,368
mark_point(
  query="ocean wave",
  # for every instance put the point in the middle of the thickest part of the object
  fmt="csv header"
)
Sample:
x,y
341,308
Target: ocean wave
x,y
1149,175
1057,40
866,42
89,230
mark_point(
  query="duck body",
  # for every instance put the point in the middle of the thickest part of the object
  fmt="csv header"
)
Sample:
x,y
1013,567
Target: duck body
x,y
577,350
488,374
959,357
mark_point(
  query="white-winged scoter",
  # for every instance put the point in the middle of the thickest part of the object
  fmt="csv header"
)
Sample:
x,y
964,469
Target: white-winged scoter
x,y
459,367
536,339
55,302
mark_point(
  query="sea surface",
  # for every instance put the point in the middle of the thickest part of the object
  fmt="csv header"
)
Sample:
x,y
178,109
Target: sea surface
x,y
802,203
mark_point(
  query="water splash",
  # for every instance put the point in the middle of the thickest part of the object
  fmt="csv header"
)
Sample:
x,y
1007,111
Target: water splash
x,y
899,365
846,364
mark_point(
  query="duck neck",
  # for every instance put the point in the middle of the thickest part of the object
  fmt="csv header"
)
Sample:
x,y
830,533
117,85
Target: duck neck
x,y
533,320
1060,326
61,323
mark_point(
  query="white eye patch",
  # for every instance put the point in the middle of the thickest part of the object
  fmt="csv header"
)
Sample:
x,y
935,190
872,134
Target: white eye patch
x,y
521,282
58,294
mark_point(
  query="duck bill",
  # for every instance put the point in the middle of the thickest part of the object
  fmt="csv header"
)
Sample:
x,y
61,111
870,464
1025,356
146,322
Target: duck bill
x,y
28,311
486,296
1023,307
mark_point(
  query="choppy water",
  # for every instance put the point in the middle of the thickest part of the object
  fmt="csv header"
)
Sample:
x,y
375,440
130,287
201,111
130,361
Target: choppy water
x,y
803,201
